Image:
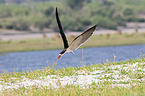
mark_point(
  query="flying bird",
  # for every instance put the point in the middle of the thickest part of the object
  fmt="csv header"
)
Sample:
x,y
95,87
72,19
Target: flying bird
x,y
77,42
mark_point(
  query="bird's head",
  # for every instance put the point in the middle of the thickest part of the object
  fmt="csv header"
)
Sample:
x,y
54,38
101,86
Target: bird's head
x,y
61,54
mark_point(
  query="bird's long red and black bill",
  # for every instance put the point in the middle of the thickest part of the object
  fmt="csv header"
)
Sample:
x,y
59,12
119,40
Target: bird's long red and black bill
x,y
58,57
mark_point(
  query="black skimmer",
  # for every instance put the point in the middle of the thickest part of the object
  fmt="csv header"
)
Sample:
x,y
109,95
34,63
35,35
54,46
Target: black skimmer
x,y
77,42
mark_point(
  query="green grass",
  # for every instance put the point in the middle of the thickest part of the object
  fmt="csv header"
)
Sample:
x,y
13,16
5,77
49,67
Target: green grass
x,y
126,78
138,90
56,43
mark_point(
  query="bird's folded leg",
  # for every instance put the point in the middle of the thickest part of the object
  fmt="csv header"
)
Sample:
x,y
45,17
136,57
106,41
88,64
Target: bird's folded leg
x,y
72,52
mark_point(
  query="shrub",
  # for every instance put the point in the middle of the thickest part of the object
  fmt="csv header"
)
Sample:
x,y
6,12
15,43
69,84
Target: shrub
x,y
9,26
0,26
104,22
5,13
118,32
128,12
41,25
48,11
128,35
107,35
20,25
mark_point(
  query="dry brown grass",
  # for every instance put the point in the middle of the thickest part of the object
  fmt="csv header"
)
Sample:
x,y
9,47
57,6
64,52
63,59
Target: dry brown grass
x,y
56,43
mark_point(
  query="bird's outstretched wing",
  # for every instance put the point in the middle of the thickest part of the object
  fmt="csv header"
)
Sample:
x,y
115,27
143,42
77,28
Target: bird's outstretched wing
x,y
61,31
81,39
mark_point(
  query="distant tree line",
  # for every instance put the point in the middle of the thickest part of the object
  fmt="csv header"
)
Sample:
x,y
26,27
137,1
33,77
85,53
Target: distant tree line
x,y
74,14
22,1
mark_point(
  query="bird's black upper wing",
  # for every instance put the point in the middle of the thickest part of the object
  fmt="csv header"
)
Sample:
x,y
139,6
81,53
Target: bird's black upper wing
x,y
61,31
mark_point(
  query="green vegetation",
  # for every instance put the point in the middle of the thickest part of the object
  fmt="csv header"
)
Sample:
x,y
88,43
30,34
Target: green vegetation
x,y
56,42
125,78
105,13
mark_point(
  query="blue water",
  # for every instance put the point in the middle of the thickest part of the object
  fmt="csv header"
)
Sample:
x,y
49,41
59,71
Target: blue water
x,y
22,61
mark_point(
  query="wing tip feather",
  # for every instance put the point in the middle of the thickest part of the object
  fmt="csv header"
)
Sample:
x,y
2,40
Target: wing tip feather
x,y
94,27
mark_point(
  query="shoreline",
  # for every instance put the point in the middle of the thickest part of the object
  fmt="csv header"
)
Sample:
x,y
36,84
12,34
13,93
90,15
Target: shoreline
x,y
55,42
6,35
61,48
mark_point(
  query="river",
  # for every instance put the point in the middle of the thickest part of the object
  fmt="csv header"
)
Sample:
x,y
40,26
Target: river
x,y
24,61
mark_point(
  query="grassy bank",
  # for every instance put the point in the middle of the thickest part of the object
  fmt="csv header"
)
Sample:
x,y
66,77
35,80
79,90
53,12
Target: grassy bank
x,y
125,78
56,43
